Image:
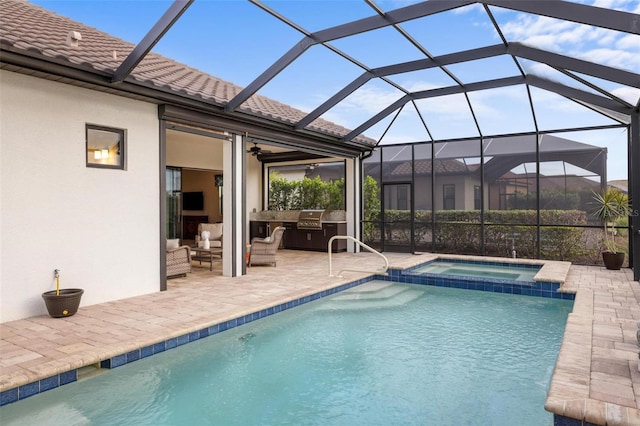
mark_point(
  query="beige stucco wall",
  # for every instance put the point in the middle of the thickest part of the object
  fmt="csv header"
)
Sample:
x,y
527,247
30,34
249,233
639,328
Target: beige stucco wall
x,y
100,227
194,151
254,186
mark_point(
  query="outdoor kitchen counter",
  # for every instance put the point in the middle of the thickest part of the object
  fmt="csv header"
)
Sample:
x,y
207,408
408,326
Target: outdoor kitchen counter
x,y
303,239
279,221
293,215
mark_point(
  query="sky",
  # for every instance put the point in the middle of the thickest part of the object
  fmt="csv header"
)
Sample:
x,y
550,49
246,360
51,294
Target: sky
x,y
236,41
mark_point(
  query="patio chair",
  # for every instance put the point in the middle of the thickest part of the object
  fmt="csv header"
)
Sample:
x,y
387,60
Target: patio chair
x,y
263,250
178,259
215,237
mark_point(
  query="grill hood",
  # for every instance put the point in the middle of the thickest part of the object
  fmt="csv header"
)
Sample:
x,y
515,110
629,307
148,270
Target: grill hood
x,y
310,219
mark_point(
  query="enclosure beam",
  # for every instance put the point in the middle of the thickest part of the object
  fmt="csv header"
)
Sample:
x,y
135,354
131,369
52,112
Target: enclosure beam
x,y
575,12
154,35
603,72
442,91
634,193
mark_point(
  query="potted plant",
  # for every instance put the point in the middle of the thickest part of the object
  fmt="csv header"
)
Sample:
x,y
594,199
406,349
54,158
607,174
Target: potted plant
x,y
62,303
611,206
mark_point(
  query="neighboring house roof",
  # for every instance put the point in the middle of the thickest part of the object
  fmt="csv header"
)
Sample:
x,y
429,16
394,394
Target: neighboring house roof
x,y
423,167
500,156
37,32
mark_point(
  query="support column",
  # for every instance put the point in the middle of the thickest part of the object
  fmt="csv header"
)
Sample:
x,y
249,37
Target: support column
x,y
353,200
233,200
634,193
162,203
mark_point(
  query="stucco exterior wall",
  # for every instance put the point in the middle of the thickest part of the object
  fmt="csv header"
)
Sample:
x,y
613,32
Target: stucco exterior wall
x,y
194,151
100,227
254,185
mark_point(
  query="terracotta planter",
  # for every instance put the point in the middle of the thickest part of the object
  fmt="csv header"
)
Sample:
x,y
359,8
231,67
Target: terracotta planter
x,y
64,304
613,261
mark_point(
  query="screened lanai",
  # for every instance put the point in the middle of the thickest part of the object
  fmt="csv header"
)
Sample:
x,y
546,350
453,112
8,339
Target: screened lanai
x,y
462,111
491,134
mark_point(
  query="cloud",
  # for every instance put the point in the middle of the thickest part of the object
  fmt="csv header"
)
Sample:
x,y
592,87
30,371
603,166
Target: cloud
x,y
371,98
612,57
630,42
629,94
601,45
626,5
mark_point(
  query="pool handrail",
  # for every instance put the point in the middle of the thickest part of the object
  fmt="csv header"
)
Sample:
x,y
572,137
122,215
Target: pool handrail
x,y
381,271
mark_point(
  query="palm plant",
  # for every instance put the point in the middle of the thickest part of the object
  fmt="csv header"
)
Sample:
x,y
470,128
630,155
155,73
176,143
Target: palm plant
x,y
611,205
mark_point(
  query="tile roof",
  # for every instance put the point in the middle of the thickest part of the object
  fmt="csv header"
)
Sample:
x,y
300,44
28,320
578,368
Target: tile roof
x,y
42,33
423,167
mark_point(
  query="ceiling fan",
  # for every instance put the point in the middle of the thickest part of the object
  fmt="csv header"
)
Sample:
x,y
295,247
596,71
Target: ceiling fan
x,y
255,150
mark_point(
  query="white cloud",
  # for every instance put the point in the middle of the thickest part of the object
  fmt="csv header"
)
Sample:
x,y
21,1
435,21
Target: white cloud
x,y
630,42
625,5
629,94
600,45
371,99
611,57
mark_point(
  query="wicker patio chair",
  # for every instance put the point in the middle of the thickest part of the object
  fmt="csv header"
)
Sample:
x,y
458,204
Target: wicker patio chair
x,y
178,261
215,229
263,250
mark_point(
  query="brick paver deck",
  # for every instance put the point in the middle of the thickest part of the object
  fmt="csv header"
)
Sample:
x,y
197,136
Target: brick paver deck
x,y
596,378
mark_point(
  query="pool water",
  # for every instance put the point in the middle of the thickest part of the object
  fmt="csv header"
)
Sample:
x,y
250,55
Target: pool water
x,y
378,354
504,271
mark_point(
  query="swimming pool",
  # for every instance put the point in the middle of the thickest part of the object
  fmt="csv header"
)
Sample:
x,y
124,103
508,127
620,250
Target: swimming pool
x,y
379,353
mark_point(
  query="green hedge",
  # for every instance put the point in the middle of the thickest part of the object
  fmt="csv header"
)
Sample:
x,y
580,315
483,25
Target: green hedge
x,y
460,232
305,194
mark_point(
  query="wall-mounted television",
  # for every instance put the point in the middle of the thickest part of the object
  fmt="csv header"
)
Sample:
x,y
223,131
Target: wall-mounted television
x,y
193,200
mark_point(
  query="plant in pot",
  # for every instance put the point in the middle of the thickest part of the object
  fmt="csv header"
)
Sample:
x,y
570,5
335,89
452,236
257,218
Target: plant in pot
x,y
611,206
62,303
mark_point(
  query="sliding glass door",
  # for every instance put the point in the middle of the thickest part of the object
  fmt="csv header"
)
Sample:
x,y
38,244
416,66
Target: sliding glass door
x,y
173,200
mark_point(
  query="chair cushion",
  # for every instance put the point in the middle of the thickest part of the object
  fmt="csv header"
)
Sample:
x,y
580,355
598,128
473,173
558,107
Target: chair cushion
x,y
173,243
215,230
212,244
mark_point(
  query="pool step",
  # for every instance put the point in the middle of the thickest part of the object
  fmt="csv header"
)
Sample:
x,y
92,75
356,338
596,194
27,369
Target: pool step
x,y
373,290
372,296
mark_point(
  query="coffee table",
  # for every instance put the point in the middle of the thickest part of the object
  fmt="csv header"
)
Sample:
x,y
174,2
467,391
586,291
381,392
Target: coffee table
x,y
207,255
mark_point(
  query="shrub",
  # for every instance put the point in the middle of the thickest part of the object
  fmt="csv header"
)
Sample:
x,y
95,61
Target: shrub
x,y
505,230
305,194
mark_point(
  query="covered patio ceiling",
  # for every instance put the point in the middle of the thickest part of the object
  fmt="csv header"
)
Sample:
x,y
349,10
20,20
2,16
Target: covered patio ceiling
x,y
438,90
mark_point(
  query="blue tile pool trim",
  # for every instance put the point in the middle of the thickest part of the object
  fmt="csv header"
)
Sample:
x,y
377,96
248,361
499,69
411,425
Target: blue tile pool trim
x,y
34,388
533,288
13,395
412,271
480,262
559,420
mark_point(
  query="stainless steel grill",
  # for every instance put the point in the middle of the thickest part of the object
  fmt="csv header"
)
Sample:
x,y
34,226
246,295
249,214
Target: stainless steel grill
x,y
310,219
